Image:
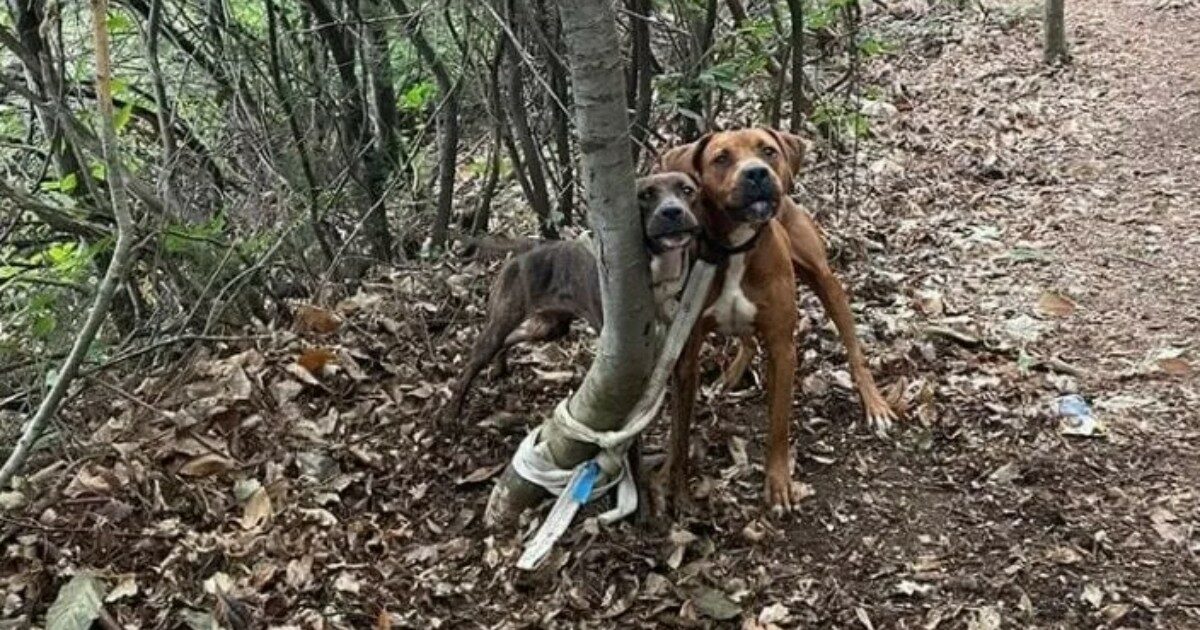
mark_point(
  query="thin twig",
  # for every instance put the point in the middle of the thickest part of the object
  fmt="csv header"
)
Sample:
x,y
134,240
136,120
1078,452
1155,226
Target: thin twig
x,y
116,267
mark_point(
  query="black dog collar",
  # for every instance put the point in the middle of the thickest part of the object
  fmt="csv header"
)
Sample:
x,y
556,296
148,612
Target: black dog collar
x,y
714,251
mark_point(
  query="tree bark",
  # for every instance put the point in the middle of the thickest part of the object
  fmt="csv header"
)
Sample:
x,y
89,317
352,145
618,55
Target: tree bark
x,y
1056,33
642,67
799,102
448,124
702,41
367,163
626,348
116,266
522,134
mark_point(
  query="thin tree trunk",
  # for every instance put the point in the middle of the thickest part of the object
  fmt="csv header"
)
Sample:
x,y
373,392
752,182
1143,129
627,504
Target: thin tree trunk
x,y
562,123
626,348
738,12
643,68
166,131
117,264
539,197
799,102
448,123
1056,32
287,102
367,164
702,39
482,215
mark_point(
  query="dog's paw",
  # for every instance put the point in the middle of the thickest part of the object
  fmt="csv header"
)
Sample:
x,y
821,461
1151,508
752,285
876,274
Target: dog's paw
x,y
669,495
879,414
779,491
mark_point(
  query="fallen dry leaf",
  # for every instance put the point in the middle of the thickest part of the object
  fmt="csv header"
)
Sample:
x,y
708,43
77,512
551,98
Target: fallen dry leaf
x,y
206,465
314,360
1056,304
257,510
313,319
1175,366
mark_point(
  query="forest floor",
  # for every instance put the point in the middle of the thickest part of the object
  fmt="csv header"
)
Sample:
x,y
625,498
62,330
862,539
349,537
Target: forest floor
x,y
1015,233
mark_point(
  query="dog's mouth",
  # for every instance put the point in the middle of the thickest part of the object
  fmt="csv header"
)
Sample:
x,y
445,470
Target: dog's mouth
x,y
759,210
673,240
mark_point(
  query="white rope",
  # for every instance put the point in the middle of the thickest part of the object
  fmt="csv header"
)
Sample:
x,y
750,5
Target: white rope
x,y
611,467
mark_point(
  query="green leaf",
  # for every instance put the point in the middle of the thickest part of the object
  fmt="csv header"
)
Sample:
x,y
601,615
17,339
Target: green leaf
x,y
43,325
118,23
66,185
78,604
417,96
99,171
123,116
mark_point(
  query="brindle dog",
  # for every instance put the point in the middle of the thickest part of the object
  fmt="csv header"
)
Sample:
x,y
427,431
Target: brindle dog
x,y
554,283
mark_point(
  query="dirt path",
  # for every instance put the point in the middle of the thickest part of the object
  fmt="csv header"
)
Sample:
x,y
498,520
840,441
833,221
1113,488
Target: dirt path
x,y
1010,186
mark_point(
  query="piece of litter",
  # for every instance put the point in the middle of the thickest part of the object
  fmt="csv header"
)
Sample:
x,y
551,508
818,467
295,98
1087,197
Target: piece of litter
x,y
1076,417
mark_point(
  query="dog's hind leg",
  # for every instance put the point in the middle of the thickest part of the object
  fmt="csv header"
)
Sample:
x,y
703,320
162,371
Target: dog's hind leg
x,y
545,326
505,313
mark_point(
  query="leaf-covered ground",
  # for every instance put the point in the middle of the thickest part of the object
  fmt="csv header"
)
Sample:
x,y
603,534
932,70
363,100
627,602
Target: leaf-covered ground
x,y
1014,233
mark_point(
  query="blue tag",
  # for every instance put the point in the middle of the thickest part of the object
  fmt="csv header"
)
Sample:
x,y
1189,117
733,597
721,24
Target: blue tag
x,y
582,491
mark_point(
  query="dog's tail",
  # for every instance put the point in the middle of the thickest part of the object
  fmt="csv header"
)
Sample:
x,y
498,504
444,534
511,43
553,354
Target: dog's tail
x,y
492,247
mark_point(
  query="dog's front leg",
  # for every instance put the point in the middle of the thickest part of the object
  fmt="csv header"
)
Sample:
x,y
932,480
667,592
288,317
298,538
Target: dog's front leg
x,y
833,297
672,479
781,372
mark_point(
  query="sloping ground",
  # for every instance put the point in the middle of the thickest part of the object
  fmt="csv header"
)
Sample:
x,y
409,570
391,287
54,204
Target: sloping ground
x,y
1017,233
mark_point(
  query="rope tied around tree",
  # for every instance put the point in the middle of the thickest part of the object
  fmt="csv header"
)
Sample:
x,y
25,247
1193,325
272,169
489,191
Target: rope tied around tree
x,y
610,468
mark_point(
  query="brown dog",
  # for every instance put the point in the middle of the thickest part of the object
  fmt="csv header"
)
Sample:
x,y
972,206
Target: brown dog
x,y
556,282
763,240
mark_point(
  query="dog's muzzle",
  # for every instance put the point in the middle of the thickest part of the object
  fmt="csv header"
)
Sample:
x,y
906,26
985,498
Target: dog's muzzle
x,y
758,197
671,227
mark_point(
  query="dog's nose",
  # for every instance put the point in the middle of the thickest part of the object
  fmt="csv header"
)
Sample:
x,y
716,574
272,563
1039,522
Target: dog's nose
x,y
757,174
670,213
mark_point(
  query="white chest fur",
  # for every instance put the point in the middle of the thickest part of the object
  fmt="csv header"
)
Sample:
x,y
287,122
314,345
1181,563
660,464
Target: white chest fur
x,y
733,311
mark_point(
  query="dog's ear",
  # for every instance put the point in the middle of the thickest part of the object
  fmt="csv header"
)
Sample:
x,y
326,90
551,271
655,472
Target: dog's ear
x,y
684,158
794,148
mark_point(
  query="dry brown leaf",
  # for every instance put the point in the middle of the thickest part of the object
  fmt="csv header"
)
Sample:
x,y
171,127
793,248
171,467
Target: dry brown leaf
x,y
315,359
1174,366
257,510
383,621
299,572
91,479
206,465
481,474
316,320
1056,304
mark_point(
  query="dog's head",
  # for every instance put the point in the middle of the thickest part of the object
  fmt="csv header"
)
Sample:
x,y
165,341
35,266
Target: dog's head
x,y
744,173
666,201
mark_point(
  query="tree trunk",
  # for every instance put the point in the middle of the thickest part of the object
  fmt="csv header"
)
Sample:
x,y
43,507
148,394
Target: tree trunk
x,y
1056,33
626,348
561,122
367,163
799,103
702,40
447,126
642,67
522,135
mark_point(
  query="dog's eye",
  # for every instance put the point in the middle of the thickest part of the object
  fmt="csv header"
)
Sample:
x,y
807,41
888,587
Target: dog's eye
x,y
644,195
688,190
722,159
769,151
